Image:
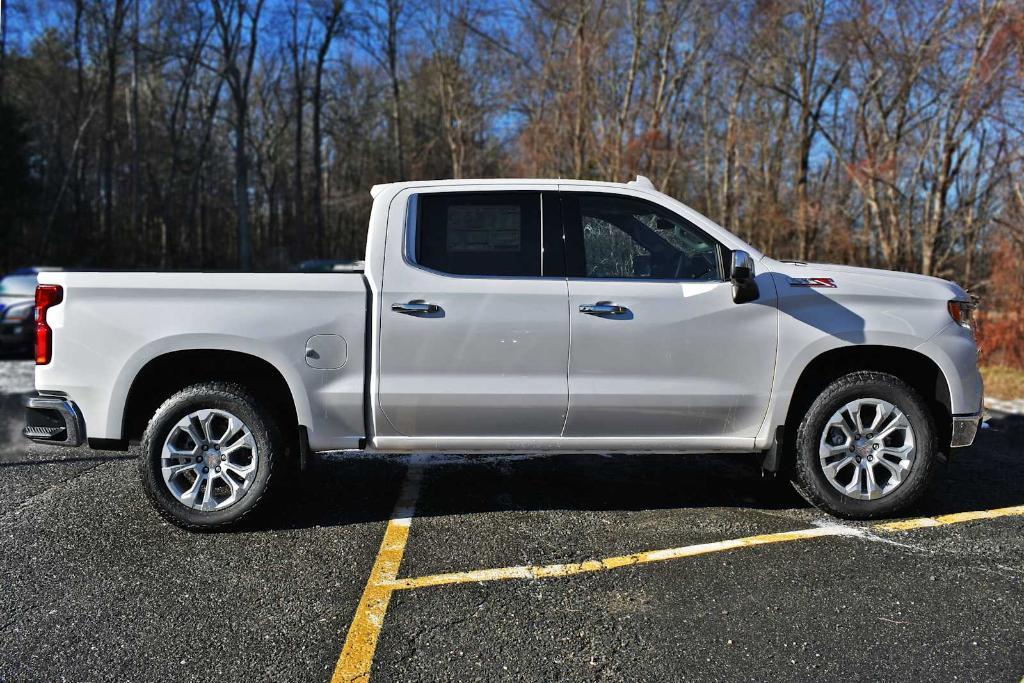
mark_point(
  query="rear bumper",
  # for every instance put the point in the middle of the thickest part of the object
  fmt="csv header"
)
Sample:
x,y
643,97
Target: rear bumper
x,y
965,428
54,420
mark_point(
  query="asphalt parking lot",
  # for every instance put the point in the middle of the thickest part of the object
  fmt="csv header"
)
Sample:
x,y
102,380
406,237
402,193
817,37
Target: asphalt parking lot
x,y
540,569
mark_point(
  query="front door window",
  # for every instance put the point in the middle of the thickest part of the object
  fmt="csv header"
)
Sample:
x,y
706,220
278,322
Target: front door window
x,y
627,238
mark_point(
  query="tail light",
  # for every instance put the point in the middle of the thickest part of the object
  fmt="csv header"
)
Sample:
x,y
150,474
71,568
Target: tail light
x,y
47,296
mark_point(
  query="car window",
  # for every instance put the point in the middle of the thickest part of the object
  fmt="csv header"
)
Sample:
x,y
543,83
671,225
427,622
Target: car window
x,y
627,238
493,233
18,285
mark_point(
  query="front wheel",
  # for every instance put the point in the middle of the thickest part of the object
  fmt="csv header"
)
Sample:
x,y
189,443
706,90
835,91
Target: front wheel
x,y
866,447
208,455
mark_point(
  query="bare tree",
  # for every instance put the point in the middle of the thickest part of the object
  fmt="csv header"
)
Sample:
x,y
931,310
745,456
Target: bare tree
x,y
136,123
112,26
331,22
298,45
236,20
3,48
178,134
381,21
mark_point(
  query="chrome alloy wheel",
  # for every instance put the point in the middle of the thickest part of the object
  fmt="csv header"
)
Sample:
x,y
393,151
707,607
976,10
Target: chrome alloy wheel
x,y
209,460
867,449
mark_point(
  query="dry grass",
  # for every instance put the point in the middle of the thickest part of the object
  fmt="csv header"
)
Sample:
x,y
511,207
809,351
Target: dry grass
x,y
1002,382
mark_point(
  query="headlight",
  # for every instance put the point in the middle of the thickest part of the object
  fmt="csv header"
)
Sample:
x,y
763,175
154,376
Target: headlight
x,y
962,313
19,313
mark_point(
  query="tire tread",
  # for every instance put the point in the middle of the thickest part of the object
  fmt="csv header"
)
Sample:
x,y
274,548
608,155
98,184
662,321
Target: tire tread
x,y
229,391
807,467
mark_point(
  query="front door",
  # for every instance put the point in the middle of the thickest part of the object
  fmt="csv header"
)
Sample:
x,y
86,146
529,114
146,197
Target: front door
x,y
474,330
659,348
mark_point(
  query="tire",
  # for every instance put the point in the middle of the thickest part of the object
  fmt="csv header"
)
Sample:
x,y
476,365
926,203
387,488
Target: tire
x,y
216,403
816,450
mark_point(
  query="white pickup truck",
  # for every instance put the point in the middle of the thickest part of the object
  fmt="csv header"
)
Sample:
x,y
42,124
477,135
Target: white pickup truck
x,y
510,316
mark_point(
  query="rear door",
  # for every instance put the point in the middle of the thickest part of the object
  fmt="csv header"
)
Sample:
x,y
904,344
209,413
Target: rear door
x,y
658,346
474,320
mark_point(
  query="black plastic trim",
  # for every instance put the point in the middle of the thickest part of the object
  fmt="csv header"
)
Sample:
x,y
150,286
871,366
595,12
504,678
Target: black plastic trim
x,y
108,444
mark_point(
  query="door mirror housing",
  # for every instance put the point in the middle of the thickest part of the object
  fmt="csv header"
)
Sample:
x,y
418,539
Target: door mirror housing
x,y
741,273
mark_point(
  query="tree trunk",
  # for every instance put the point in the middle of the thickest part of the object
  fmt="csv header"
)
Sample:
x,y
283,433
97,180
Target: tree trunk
x,y
3,50
299,76
318,171
230,25
107,174
242,185
396,93
332,23
136,135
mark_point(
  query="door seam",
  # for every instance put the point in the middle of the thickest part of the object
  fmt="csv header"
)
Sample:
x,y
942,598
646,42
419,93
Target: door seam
x,y
568,360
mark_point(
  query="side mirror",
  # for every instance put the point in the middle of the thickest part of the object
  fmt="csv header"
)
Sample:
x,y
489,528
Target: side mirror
x,y
741,274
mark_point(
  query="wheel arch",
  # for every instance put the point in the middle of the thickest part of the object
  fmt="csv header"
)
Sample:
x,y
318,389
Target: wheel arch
x,y
168,373
916,369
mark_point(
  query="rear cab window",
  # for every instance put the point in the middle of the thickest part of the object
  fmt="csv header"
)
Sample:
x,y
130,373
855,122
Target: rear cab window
x,y
486,233
489,234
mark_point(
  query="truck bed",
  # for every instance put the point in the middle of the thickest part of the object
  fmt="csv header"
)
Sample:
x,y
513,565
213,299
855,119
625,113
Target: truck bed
x,y
109,326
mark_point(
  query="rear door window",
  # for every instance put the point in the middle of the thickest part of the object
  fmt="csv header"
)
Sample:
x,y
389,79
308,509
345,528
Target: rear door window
x,y
484,234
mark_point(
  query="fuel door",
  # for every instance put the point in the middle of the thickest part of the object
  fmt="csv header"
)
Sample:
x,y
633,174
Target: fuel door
x,y
326,352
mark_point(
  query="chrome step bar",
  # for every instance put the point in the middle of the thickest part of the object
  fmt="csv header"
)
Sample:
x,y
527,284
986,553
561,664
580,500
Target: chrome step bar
x,y
53,420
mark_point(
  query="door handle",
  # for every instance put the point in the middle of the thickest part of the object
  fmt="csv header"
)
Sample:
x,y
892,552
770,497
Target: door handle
x,y
415,308
603,308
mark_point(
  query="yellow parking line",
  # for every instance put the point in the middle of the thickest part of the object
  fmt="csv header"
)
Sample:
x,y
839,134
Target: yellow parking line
x,y
555,570
956,518
357,654
558,570
361,642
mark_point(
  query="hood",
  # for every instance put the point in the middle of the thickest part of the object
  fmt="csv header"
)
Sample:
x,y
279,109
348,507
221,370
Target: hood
x,y
866,279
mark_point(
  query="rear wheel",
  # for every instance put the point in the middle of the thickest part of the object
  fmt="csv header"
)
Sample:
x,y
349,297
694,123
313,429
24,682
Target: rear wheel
x,y
866,447
208,456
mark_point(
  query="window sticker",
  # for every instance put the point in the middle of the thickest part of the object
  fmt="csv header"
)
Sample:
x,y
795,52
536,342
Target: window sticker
x,y
484,228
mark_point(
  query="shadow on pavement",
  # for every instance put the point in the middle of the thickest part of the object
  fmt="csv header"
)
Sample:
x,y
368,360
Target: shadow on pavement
x,y
990,475
557,482
986,476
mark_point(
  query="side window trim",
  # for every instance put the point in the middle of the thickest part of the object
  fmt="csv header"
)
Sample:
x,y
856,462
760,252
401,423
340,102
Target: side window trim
x,y
412,233
575,257
552,242
541,255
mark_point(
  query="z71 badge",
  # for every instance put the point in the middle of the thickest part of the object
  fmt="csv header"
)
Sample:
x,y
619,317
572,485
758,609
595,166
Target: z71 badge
x,y
812,282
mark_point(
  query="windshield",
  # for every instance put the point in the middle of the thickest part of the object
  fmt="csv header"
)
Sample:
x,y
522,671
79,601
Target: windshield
x,y
18,287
